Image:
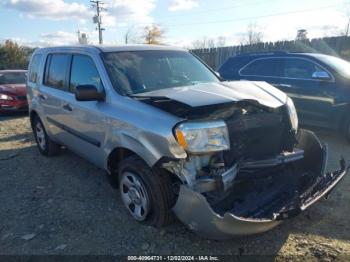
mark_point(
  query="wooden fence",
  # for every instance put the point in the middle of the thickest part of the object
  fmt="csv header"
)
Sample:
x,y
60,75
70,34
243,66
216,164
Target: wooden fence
x,y
337,46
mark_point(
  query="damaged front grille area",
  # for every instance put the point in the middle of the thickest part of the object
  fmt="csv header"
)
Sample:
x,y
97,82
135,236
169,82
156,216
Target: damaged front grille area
x,y
256,135
259,137
262,197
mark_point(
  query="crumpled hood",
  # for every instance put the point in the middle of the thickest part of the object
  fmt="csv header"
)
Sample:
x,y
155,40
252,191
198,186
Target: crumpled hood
x,y
222,92
16,89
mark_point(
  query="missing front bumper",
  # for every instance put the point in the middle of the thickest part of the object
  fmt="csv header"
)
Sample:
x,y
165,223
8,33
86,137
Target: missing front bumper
x,y
193,209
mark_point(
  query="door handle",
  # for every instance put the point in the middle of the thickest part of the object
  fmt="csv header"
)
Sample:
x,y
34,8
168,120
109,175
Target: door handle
x,y
42,97
67,107
284,85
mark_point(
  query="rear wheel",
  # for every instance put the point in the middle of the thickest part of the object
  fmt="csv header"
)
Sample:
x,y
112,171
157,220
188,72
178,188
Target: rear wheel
x,y
45,145
146,193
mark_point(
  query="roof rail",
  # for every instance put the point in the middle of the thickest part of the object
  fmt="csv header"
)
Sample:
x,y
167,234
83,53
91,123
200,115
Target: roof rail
x,y
264,53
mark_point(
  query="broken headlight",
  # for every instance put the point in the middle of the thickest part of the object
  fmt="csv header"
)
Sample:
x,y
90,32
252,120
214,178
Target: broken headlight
x,y
292,114
203,137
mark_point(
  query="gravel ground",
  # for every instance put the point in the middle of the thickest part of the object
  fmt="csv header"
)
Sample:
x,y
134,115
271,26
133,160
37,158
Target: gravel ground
x,y
64,205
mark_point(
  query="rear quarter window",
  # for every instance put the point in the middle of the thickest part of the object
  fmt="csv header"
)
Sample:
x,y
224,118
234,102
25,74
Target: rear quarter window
x,y
33,74
230,68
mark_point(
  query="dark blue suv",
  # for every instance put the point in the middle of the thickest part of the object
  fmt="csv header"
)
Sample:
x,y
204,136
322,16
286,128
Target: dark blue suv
x,y
318,84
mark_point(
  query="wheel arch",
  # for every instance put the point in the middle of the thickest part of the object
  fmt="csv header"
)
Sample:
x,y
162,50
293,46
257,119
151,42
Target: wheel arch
x,y
343,118
120,153
116,155
32,115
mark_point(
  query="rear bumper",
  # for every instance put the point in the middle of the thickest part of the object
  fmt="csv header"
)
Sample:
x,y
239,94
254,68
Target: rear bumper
x,y
195,212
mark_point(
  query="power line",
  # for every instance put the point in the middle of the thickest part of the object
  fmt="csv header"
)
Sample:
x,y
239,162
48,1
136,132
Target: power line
x,y
244,18
254,17
204,11
230,20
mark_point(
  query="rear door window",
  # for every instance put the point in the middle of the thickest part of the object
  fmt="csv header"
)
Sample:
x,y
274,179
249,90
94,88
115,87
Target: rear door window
x,y
34,69
56,70
84,72
299,68
266,67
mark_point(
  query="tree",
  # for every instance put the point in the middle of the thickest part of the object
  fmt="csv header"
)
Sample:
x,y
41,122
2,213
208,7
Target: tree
x,y
347,28
253,35
220,41
153,35
301,35
200,43
346,31
206,42
131,36
13,56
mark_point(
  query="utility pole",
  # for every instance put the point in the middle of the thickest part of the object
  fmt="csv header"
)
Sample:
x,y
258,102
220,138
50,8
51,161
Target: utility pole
x,y
97,18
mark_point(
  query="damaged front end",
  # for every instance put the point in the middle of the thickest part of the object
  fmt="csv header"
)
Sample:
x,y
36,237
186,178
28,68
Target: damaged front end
x,y
269,173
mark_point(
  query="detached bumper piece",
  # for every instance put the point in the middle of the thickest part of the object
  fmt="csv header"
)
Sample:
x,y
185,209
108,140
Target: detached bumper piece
x,y
281,193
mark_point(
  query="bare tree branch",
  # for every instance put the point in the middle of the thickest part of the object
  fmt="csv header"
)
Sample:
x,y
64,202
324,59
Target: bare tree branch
x,y
132,36
253,35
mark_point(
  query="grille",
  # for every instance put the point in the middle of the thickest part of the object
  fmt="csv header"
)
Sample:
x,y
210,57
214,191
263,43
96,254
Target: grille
x,y
254,136
21,97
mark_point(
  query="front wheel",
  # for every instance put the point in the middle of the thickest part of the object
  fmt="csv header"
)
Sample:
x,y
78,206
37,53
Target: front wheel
x,y
45,145
346,129
147,195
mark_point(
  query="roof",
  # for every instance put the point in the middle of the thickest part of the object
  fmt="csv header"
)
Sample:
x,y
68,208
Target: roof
x,y
316,55
106,48
279,53
268,53
137,48
13,71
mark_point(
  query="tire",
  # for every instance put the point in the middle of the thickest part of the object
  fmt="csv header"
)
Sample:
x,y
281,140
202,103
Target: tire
x,y
151,189
113,179
346,130
45,145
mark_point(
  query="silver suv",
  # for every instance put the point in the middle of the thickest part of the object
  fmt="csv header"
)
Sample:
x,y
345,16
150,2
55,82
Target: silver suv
x,y
227,158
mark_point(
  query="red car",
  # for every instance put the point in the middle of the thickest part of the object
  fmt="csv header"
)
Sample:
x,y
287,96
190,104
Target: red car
x,y
13,95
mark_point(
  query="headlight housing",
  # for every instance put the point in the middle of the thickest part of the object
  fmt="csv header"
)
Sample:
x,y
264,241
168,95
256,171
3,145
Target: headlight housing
x,y
292,114
203,137
6,97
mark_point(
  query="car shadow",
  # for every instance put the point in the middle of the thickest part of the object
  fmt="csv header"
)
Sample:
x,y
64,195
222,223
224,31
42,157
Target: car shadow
x,y
18,137
12,115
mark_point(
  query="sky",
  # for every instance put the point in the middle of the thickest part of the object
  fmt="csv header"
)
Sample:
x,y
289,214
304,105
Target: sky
x,y
56,22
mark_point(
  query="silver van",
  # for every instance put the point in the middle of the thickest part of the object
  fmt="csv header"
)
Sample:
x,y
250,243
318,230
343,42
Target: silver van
x,y
227,158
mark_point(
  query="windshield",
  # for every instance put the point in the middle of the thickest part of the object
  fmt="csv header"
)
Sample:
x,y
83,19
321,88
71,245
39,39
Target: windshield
x,y
142,71
12,78
339,65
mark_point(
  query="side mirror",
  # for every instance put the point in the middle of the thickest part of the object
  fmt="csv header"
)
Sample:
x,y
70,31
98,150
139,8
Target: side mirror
x,y
321,75
88,93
